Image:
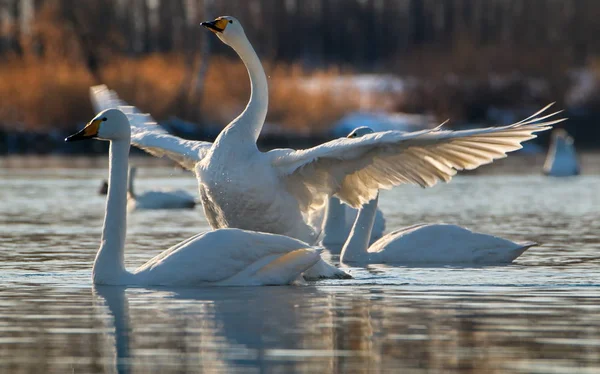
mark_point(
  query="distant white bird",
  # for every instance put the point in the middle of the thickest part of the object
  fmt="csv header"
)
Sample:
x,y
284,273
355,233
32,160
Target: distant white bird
x,y
432,244
561,160
274,191
157,199
220,257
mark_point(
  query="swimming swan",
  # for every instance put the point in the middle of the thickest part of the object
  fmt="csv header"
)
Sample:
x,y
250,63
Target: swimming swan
x,y
153,199
561,160
220,257
275,191
440,244
156,199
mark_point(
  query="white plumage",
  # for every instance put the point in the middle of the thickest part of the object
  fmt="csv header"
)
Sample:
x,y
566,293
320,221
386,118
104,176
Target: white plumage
x,y
274,191
156,199
430,244
426,244
444,244
336,221
221,257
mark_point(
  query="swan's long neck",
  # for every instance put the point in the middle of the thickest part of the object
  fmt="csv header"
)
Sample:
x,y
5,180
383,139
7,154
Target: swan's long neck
x,y
357,245
335,221
109,265
251,120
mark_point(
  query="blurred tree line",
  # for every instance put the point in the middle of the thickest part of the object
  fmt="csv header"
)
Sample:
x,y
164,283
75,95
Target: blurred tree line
x,y
452,46
362,33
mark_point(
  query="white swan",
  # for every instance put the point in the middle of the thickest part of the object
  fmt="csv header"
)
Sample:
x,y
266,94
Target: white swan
x,y
157,199
561,160
440,244
220,257
336,221
275,191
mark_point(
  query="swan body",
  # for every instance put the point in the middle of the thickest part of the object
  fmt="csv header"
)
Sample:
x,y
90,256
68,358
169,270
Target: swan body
x,y
221,257
274,191
424,244
561,160
157,199
428,244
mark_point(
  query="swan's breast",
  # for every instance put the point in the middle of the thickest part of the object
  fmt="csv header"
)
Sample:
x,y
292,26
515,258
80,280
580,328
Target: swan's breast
x,y
247,194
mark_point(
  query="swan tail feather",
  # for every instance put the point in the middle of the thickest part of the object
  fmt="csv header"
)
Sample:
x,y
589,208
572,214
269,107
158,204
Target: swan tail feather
x,y
522,247
287,268
323,270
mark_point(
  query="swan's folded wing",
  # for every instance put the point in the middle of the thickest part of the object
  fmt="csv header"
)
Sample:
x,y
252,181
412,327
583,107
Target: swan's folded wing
x,y
217,255
147,134
354,169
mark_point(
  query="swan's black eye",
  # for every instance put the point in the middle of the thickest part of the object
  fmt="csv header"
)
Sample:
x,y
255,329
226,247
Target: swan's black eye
x,y
230,21
104,119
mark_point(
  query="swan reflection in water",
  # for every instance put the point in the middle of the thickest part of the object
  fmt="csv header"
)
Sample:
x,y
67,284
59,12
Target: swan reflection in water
x,y
206,329
308,329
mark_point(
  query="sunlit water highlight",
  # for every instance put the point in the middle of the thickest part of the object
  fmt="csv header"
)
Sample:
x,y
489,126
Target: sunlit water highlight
x,y
541,314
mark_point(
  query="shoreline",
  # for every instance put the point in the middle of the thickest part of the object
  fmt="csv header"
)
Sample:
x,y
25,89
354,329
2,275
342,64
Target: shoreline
x,y
515,163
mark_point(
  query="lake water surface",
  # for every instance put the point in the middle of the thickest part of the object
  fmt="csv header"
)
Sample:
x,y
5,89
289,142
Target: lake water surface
x,y
538,315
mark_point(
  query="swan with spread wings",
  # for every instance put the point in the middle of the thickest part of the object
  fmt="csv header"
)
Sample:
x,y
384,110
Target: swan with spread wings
x,y
274,191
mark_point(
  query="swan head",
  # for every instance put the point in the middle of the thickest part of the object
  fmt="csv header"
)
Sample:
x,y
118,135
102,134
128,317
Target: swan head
x,y
227,28
360,131
111,124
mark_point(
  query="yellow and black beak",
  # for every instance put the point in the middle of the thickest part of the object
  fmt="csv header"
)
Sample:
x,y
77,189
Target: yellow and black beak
x,y
216,26
88,132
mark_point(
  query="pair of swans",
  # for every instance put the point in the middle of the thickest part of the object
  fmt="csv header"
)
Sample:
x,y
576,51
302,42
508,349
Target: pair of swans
x,y
220,257
153,199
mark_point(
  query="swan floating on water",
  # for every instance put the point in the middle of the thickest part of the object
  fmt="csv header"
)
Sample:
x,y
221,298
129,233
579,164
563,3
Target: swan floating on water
x,y
220,257
275,191
153,199
157,199
561,160
439,244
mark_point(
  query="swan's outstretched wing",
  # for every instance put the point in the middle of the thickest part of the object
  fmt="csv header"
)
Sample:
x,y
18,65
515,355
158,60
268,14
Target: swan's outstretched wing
x,y
354,169
149,135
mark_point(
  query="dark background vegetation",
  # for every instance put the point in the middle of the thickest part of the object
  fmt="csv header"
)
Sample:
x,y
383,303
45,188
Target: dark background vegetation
x,y
459,59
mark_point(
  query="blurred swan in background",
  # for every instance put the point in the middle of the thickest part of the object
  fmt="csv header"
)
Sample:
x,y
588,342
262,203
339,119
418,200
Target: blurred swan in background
x,y
157,199
440,244
277,190
150,200
561,160
220,257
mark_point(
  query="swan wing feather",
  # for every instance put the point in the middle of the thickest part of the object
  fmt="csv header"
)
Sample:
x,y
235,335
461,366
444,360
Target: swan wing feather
x,y
354,169
147,134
